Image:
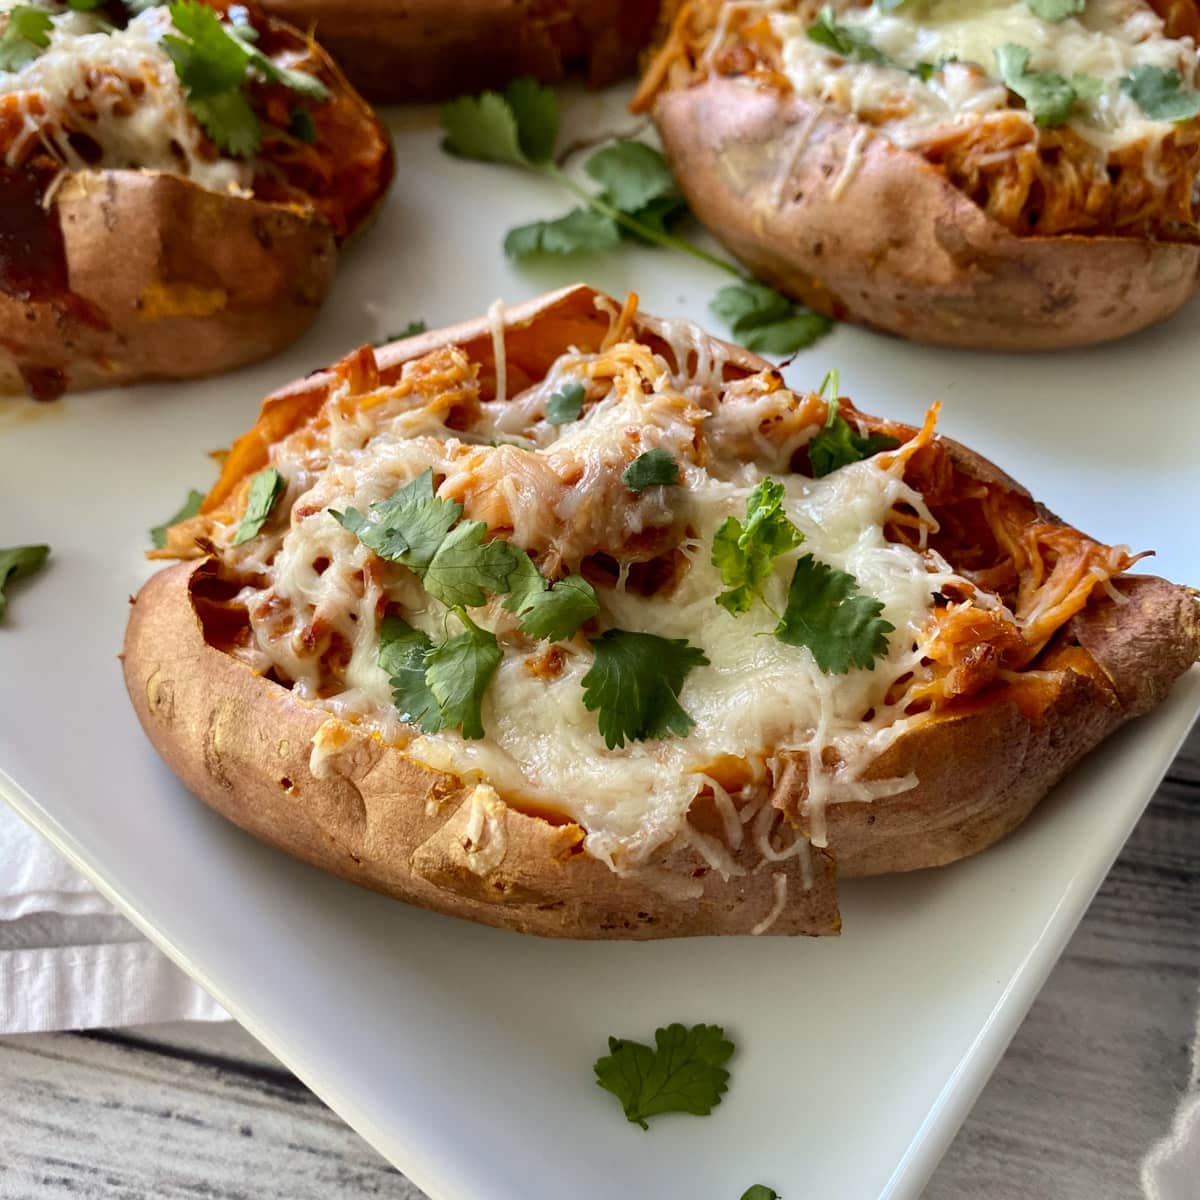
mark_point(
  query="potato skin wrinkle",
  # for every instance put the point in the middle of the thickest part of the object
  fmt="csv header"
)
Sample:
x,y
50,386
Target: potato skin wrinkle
x,y
380,818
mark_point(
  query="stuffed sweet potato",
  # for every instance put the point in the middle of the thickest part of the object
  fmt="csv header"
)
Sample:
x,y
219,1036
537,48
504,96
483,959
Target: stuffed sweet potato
x,y
173,189
580,622
970,174
412,50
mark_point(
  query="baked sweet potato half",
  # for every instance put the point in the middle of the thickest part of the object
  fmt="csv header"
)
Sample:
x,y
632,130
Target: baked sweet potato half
x,y
578,621
174,186
414,50
962,174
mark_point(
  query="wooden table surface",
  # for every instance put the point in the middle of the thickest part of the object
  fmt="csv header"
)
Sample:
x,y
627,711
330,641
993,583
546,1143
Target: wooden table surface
x,y
1089,1083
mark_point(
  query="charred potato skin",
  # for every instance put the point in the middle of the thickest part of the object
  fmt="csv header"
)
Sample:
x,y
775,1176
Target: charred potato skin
x,y
202,283
834,214
242,743
436,49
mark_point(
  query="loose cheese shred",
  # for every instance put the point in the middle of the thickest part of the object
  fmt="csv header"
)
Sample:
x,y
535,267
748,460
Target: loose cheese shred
x,y
496,321
780,883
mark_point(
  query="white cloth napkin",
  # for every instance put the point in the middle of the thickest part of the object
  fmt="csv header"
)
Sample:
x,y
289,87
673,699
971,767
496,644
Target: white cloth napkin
x,y
68,960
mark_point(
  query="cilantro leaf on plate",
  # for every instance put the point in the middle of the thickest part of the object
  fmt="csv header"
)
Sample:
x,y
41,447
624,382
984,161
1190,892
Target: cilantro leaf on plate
x,y
189,508
827,613
25,36
458,672
265,489
657,466
760,1191
19,562
566,404
410,330
464,568
1056,10
836,444
1160,94
683,1072
635,682
518,127
767,322
638,183
745,552
403,652
555,614
581,231
1049,96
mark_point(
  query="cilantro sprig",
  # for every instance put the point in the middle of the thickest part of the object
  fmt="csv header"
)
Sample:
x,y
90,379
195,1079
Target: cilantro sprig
x,y
566,404
655,467
684,1071
214,61
634,685
639,198
1160,94
25,36
19,562
827,613
846,40
1049,96
767,322
836,444
745,551
265,489
189,508
1056,10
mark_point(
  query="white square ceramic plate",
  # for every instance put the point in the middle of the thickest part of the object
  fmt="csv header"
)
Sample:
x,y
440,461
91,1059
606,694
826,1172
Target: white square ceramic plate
x,y
464,1054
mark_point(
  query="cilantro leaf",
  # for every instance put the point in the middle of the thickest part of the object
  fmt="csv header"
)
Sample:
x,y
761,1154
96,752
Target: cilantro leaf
x,y
465,567
458,672
837,444
524,582
845,40
410,330
683,1072
302,126
19,562
632,175
190,507
767,322
403,652
265,489
212,59
657,466
85,5
408,527
535,110
1056,10
826,613
565,405
581,231
518,127
635,684
556,614
1159,94
1051,97
745,554
760,1191
25,36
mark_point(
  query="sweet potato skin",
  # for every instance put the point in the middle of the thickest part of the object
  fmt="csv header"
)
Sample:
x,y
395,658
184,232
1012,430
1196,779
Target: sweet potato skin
x,y
436,49
376,817
380,819
202,283
832,213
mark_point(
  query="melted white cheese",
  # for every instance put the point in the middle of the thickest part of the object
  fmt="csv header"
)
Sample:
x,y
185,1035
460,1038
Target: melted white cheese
x,y
1106,41
119,87
755,698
